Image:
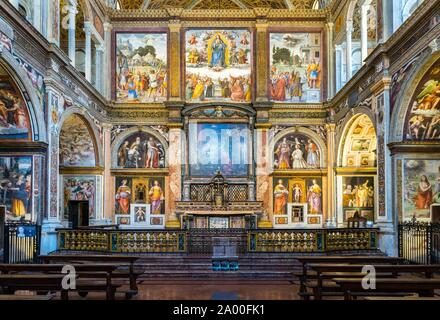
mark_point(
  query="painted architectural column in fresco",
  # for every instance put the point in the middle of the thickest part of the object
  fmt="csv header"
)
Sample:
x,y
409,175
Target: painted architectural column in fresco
x,y
175,83
174,189
263,168
107,65
88,58
72,12
108,179
364,32
349,29
331,187
331,59
261,63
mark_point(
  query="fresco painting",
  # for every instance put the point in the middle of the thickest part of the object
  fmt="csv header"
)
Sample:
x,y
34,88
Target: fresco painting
x,y
141,150
296,151
76,144
216,147
421,188
295,67
141,67
218,65
358,195
79,188
16,186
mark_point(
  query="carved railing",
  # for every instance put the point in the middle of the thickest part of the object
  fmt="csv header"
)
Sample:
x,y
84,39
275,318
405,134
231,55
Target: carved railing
x,y
312,240
123,241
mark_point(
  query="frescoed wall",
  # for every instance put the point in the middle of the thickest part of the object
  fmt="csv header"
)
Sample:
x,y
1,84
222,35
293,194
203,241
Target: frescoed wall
x,y
79,188
218,65
141,150
295,67
296,151
141,67
139,190
423,118
222,146
77,146
16,186
14,117
358,195
421,187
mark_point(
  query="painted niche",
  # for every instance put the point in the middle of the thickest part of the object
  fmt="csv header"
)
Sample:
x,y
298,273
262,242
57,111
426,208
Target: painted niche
x,y
297,190
360,144
423,118
139,190
296,151
358,196
77,148
218,65
141,150
421,188
16,187
141,67
295,67
14,117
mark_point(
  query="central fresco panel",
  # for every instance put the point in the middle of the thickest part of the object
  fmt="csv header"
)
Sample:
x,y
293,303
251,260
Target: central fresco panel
x,y
218,65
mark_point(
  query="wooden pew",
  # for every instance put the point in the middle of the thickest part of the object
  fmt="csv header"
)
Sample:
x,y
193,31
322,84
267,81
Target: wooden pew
x,y
423,287
89,271
329,271
119,260
35,282
304,275
12,297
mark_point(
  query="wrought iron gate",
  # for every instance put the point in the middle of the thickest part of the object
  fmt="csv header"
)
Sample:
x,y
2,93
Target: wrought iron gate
x,y
419,242
201,241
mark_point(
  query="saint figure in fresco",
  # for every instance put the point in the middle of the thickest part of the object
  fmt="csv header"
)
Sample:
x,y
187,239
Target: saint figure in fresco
x,y
152,160
20,197
218,56
297,193
298,158
314,197
313,72
123,154
283,154
423,198
312,154
280,194
123,195
156,197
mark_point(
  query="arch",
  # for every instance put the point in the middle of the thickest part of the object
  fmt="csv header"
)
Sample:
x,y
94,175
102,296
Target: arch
x,y
116,145
25,86
409,6
94,134
357,115
299,130
407,92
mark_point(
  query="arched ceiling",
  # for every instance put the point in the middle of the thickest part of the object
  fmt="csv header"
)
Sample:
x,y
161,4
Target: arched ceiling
x,y
219,4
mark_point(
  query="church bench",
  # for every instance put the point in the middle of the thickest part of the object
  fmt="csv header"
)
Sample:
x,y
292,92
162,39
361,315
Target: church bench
x,y
12,297
352,287
118,260
329,271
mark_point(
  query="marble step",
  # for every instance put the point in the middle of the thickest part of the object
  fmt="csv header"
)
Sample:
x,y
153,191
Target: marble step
x,y
210,274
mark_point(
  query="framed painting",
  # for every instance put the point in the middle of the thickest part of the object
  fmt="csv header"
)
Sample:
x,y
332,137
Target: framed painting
x,y
139,214
141,62
80,188
218,65
218,222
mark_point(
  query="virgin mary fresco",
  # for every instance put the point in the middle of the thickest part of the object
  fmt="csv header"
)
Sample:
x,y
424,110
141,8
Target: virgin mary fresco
x,y
218,55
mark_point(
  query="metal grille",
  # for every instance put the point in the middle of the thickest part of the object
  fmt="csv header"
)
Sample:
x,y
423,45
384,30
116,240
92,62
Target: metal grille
x,y
234,193
237,192
419,242
202,241
201,192
21,243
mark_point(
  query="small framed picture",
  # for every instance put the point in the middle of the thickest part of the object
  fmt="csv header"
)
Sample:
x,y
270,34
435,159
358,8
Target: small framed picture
x,y
365,160
351,160
314,220
368,214
140,215
349,214
156,221
123,220
282,220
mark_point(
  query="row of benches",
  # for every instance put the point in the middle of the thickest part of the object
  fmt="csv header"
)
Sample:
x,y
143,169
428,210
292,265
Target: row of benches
x,y
342,276
93,273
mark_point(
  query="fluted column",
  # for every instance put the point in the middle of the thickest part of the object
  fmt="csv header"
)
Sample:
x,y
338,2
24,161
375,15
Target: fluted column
x,y
349,50
364,33
88,58
331,187
72,12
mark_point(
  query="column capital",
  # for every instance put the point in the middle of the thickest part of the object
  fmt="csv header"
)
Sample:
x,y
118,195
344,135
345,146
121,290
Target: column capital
x,y
88,28
107,26
262,26
331,127
330,25
175,27
107,126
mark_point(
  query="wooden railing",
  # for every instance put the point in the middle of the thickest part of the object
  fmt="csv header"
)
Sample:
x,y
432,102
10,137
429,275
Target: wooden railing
x,y
312,240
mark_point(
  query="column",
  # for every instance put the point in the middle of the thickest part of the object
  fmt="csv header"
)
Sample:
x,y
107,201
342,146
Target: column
x,y
263,177
331,187
36,19
108,182
98,67
88,62
364,33
72,12
107,63
174,185
349,49
330,60
175,76
338,65
261,63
